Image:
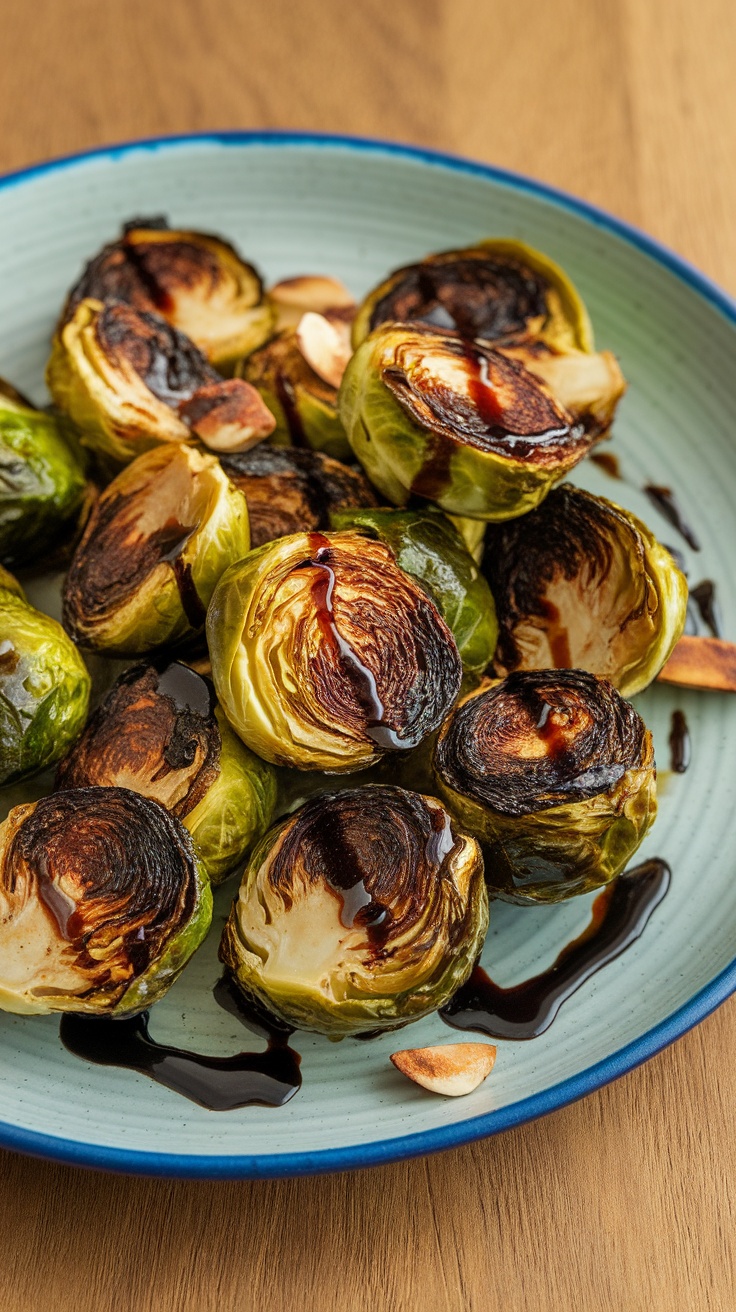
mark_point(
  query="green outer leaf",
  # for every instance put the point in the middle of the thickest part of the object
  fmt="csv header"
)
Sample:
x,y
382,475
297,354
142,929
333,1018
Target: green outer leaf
x,y
321,426
42,483
427,546
393,450
154,982
238,807
44,699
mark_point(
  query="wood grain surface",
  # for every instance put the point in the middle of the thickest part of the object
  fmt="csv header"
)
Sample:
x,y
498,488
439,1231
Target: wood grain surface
x,y
626,1200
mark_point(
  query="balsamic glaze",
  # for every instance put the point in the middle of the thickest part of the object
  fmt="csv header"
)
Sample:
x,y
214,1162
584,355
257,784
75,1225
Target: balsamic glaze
x,y
668,505
620,915
608,462
680,750
704,596
218,1083
362,679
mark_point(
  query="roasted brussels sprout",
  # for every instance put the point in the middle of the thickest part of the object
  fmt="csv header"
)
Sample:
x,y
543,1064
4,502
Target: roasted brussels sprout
x,y
130,381
309,293
160,732
102,902
362,911
196,281
325,654
499,288
42,482
589,384
299,386
291,491
456,422
427,546
554,772
582,583
44,688
154,547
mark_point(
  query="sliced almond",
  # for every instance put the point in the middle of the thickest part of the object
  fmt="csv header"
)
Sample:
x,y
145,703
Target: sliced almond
x,y
294,296
228,416
323,346
452,1069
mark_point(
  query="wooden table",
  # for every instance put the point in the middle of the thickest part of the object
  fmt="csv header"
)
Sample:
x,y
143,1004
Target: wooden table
x,y
624,1201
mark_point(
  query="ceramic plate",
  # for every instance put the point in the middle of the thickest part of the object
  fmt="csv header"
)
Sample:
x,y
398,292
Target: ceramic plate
x,y
357,209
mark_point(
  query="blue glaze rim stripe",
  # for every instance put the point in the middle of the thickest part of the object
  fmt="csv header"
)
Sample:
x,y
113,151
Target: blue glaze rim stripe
x,y
558,1095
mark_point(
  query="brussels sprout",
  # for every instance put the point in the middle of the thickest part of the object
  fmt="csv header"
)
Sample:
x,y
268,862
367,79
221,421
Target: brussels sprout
x,y
589,384
325,654
44,689
42,481
154,547
427,546
130,381
582,583
102,903
160,732
362,911
290,491
196,281
499,288
456,422
303,404
310,292
472,532
554,772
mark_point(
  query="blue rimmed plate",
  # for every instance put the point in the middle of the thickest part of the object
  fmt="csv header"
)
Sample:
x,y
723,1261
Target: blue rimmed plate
x,y
356,209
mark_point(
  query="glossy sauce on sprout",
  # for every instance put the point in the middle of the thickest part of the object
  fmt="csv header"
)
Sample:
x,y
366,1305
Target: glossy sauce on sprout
x,y
620,915
218,1083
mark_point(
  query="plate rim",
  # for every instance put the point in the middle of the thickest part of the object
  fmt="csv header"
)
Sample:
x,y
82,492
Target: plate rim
x,y
616,1064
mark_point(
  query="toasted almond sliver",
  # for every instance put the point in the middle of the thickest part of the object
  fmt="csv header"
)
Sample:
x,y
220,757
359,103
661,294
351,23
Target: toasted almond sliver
x,y
323,346
452,1069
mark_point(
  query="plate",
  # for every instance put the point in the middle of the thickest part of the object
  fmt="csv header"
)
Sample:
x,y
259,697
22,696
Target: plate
x,y
356,209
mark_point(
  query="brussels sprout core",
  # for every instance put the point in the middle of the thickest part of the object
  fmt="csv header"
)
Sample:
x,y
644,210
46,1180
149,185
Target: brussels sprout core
x,y
198,282
555,772
325,654
160,733
154,547
582,583
101,903
289,490
362,911
455,421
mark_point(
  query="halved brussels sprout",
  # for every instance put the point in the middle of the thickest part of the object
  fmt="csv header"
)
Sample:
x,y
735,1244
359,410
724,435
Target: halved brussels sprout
x,y
456,422
44,688
499,288
554,772
303,404
160,732
42,481
582,583
325,654
196,281
102,903
589,384
154,547
291,491
309,292
427,546
130,381
362,911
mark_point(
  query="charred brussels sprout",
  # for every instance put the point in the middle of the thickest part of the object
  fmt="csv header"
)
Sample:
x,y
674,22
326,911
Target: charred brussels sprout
x,y
554,772
130,381
301,397
42,482
291,491
456,422
582,583
325,654
102,903
427,546
154,547
362,911
589,384
44,688
498,289
197,282
160,732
